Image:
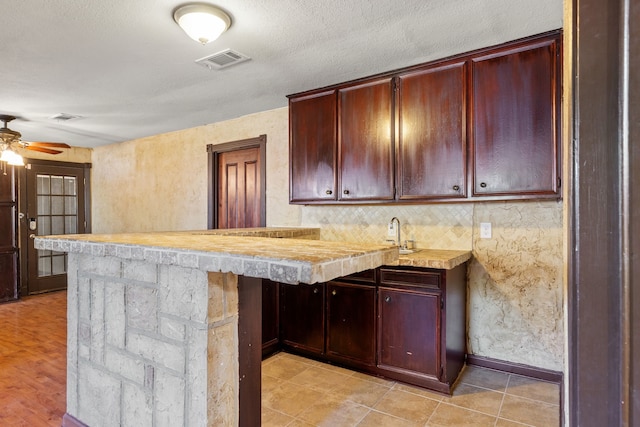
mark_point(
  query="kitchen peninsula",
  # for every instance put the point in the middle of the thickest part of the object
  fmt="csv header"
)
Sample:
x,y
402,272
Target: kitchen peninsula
x,y
164,328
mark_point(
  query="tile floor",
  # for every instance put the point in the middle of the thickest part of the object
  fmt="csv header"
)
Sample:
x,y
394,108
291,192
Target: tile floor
x,y
299,392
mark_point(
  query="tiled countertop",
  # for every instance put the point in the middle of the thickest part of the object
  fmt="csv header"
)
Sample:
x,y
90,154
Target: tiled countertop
x,y
287,260
284,254
434,258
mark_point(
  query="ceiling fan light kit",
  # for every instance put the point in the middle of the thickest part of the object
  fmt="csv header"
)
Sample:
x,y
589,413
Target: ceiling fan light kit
x,y
202,22
10,139
11,157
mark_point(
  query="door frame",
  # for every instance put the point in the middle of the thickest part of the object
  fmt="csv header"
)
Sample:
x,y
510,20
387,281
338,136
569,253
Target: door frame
x,y
213,153
23,229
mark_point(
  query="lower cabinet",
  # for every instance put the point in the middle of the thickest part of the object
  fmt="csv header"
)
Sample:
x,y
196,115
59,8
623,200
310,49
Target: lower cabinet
x,y
422,325
302,321
270,317
351,320
402,323
409,338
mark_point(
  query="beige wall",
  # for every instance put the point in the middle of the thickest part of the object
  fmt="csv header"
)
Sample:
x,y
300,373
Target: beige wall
x,y
73,155
160,182
515,279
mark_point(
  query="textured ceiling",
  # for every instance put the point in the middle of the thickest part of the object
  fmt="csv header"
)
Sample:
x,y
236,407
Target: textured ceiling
x,y
129,70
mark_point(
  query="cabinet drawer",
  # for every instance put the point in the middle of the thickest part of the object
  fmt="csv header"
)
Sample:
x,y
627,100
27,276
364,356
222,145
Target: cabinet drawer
x,y
410,278
367,276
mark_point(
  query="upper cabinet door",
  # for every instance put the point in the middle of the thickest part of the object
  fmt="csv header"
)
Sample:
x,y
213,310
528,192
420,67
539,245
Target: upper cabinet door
x,y
432,133
312,147
365,141
515,99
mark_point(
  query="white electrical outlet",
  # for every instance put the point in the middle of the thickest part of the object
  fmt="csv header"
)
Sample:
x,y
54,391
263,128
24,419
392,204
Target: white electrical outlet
x,y
391,229
485,230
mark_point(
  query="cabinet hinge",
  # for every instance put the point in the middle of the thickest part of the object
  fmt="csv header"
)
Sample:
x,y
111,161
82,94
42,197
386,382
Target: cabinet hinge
x,y
441,372
559,182
442,304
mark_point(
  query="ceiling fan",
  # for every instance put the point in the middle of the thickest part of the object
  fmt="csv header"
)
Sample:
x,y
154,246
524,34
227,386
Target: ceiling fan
x,y
11,139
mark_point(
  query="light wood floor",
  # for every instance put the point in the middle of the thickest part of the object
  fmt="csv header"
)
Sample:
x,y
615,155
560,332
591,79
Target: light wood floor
x,y
296,391
33,370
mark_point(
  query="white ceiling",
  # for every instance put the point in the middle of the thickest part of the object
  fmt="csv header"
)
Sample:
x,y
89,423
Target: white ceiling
x,y
129,70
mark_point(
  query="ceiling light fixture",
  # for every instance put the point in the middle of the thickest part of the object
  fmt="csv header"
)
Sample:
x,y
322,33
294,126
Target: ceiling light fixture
x,y
11,157
202,22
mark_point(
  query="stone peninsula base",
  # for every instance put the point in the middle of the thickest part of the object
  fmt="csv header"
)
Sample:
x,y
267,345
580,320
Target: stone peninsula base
x,y
150,344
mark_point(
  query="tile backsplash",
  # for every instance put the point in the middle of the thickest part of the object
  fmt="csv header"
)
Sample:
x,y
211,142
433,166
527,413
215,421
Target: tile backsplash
x,y
446,226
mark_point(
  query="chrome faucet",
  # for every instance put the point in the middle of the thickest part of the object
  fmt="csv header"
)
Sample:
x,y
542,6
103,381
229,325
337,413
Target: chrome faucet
x,y
398,239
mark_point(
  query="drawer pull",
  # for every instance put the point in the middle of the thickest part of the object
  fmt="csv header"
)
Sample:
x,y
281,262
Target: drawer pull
x,y
456,187
345,192
387,299
329,192
315,291
483,184
333,292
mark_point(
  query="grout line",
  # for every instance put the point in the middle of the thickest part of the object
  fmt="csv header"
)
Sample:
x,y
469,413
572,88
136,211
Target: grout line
x,y
433,413
502,401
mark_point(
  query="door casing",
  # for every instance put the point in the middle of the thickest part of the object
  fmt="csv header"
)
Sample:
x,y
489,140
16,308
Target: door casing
x,y
23,228
214,151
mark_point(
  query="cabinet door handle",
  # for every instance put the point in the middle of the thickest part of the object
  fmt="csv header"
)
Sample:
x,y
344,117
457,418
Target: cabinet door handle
x,y
345,192
315,290
387,299
333,292
483,184
329,192
456,187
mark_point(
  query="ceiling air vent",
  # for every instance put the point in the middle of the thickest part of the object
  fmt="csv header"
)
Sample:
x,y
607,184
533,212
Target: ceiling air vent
x,y
65,117
223,59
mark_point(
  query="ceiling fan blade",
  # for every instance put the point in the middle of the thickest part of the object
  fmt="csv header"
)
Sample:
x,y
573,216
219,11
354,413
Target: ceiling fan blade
x,y
49,144
42,149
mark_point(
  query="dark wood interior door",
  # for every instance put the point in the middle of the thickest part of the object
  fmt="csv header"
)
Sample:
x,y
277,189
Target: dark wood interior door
x,y
8,235
239,191
55,194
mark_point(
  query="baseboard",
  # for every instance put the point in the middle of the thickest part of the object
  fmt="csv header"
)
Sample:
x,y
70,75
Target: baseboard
x,y
71,421
515,368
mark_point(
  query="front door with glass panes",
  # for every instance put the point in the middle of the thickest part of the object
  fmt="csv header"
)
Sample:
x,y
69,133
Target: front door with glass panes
x,y
55,205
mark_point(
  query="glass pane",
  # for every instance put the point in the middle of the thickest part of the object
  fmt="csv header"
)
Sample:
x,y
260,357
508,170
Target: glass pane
x,y
43,184
44,266
57,225
44,225
70,186
58,266
43,253
70,205
56,185
44,205
57,205
70,225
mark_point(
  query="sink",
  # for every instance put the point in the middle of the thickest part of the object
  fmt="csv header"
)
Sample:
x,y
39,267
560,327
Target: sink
x,y
404,251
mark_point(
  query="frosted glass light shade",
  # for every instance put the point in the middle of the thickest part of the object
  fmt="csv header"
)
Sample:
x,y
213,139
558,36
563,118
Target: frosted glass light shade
x,y
203,23
12,158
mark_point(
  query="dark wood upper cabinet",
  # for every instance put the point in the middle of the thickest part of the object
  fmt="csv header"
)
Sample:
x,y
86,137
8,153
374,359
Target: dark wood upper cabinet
x,y
313,147
432,132
483,125
515,125
365,141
